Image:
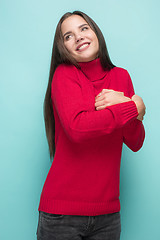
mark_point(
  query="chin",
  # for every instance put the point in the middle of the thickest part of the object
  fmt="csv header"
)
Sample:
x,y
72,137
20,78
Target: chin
x,y
85,58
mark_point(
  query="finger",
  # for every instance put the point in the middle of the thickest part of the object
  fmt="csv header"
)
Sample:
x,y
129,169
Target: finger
x,y
100,98
100,107
104,90
98,95
103,95
99,103
103,106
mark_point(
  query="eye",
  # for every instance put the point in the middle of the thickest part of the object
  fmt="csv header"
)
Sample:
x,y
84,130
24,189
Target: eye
x,y
84,28
67,37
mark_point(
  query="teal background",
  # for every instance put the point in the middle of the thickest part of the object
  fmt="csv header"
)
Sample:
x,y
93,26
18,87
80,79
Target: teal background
x,y
131,30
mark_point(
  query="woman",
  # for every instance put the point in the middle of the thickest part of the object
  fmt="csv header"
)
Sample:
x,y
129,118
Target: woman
x,y
90,110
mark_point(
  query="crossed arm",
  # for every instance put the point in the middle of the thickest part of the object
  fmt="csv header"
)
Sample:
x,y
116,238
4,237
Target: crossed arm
x,y
108,97
133,133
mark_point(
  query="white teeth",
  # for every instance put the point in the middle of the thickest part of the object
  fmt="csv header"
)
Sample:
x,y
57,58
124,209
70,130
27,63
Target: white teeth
x,y
83,46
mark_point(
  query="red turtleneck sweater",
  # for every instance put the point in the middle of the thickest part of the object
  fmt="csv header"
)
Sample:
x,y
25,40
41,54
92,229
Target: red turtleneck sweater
x,y
85,173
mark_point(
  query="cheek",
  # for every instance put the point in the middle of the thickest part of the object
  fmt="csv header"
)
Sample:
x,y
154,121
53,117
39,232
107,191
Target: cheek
x,y
96,44
95,40
68,45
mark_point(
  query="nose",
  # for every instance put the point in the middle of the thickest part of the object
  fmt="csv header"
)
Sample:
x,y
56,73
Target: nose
x,y
78,38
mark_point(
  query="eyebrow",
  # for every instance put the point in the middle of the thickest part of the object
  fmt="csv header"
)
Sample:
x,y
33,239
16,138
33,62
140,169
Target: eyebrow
x,y
79,27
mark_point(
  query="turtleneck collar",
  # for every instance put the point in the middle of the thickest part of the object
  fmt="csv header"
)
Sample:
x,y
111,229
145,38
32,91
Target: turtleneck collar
x,y
93,70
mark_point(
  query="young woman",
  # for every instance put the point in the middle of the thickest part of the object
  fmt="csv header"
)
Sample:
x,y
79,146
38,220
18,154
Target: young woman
x,y
90,109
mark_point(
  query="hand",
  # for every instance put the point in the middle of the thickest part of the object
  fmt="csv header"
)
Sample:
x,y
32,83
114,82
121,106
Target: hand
x,y
108,97
140,106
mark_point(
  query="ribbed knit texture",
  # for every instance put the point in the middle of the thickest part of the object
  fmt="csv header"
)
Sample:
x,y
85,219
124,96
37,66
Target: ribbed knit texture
x,y
85,173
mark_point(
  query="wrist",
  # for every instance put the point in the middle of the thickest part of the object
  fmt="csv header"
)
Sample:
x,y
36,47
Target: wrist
x,y
139,110
137,105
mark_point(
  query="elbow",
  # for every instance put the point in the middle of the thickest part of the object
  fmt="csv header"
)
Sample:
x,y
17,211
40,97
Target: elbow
x,y
135,143
75,136
76,133
72,133
136,147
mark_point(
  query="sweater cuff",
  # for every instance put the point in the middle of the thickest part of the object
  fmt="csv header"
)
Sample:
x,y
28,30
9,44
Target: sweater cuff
x,y
129,111
126,112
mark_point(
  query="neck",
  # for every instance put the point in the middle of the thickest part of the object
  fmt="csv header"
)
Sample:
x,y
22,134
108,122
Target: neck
x,y
93,70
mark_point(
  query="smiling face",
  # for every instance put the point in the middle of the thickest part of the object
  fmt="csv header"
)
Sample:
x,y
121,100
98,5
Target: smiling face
x,y
79,39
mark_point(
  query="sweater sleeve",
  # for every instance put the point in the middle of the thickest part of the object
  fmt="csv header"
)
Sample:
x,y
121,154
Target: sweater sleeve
x,y
133,132
77,121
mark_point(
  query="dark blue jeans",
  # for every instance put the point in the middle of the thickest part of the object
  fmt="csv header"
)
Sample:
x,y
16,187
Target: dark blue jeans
x,y
75,227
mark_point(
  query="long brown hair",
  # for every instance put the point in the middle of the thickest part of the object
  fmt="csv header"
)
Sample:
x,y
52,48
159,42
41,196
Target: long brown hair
x,y
61,55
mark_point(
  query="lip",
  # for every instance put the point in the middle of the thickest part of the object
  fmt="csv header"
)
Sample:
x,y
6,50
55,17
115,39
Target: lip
x,y
82,45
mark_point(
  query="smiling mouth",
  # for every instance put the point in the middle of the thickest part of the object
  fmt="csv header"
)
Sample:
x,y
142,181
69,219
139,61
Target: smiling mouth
x,y
83,47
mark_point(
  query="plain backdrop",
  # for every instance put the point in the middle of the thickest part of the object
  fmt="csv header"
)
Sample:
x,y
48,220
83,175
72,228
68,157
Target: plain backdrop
x,y
131,31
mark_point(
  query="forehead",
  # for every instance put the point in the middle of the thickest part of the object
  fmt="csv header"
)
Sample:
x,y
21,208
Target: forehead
x,y
71,23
